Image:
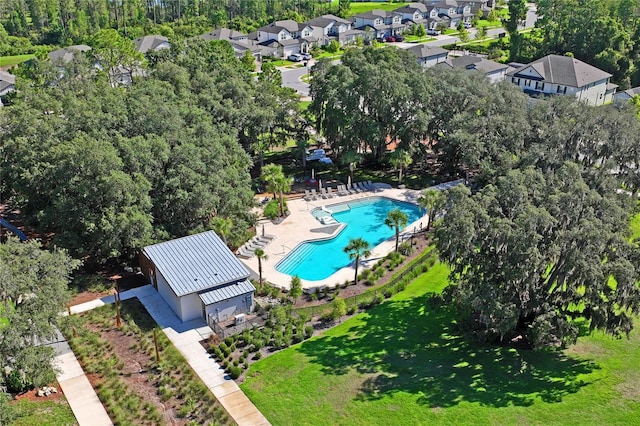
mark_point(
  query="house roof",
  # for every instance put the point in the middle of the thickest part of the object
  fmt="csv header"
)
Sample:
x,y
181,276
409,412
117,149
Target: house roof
x,y
486,66
150,42
412,8
277,26
196,262
223,34
426,51
630,92
375,13
66,54
326,20
226,292
564,70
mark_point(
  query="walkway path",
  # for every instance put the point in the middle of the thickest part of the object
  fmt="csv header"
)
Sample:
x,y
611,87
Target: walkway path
x,y
80,395
186,337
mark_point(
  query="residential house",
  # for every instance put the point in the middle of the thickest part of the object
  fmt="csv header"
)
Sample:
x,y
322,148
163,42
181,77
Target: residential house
x,y
493,70
419,13
331,27
7,84
240,43
151,43
429,56
625,95
451,11
66,54
199,277
379,23
287,37
565,76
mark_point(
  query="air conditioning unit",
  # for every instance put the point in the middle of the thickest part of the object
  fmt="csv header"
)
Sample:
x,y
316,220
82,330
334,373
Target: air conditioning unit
x,y
239,319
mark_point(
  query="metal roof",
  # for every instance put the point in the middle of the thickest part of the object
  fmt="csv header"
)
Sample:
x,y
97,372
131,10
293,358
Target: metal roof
x,y
196,263
226,292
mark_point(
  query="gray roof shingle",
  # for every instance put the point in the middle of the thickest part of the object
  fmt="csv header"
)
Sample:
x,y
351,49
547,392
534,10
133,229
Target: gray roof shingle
x,y
66,54
196,262
426,51
226,292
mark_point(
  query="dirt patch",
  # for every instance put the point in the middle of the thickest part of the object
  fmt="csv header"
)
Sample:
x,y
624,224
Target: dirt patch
x,y
32,395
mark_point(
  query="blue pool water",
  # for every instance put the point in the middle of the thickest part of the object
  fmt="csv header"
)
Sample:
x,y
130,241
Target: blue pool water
x,y
317,260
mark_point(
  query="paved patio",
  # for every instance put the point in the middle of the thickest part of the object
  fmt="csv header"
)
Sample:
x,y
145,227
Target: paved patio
x,y
301,226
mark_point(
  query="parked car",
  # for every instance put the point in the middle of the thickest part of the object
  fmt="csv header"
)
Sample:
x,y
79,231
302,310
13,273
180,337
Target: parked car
x,y
390,39
398,38
380,39
467,25
306,56
296,57
433,32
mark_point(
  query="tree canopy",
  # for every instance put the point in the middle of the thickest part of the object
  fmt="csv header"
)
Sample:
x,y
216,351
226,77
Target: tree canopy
x,y
33,292
106,170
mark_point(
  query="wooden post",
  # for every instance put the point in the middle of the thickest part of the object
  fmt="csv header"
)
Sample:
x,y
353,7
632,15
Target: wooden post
x,y
69,309
115,279
155,343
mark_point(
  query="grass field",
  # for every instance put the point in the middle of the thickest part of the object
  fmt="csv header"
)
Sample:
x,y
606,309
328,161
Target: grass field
x,y
361,7
403,363
14,60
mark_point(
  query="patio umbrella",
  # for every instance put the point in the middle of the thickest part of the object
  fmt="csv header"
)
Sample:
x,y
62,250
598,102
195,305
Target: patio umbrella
x,y
319,183
263,229
349,182
313,174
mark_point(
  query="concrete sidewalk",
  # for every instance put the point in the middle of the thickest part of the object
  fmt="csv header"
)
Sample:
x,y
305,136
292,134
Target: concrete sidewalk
x,y
186,338
80,395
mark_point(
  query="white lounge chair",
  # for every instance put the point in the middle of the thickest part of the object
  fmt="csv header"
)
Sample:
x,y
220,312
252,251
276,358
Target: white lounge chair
x,y
245,253
330,192
354,189
362,187
314,194
342,190
307,195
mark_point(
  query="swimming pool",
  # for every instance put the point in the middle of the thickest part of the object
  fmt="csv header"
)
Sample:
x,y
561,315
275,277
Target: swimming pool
x,y
317,260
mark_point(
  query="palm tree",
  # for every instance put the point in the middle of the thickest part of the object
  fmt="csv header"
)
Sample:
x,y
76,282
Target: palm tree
x,y
270,174
396,219
282,184
222,226
432,200
356,249
401,159
260,255
277,182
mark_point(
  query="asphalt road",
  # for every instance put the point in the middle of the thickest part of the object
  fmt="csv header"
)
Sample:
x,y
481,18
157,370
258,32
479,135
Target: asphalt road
x,y
291,77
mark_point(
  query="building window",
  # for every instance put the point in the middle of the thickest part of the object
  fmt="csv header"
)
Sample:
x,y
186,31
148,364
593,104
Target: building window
x,y
539,86
378,22
527,83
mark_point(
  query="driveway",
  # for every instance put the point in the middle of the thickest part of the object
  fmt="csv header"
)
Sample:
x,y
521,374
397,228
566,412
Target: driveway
x,y
292,77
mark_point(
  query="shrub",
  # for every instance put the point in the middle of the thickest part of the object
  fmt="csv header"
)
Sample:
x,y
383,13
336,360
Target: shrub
x,y
257,356
229,341
406,248
16,383
351,310
236,362
272,209
308,331
365,274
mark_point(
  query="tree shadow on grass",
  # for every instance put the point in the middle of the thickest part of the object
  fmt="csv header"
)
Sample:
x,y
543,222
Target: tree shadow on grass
x,y
408,346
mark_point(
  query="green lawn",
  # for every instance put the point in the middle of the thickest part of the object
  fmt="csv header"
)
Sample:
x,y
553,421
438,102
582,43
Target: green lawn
x,y
635,227
404,363
13,60
361,7
44,413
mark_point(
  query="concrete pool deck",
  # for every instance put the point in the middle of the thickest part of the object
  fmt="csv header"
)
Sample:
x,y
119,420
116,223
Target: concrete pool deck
x,y
302,226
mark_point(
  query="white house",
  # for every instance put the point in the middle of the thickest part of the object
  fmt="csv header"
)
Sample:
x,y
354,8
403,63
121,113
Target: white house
x,y
199,277
240,43
429,56
7,84
626,95
379,23
328,27
452,10
287,36
564,76
66,54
